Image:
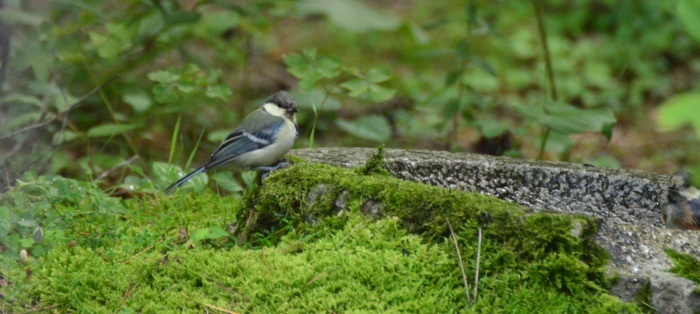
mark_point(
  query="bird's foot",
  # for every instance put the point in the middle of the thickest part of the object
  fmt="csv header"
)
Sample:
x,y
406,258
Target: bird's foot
x,y
267,170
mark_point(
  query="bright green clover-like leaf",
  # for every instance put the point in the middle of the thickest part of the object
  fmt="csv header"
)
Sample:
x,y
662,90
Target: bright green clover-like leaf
x,y
367,86
371,127
310,68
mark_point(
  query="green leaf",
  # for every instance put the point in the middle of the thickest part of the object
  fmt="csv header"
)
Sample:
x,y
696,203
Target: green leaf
x,y
107,48
571,120
379,94
376,76
328,68
163,76
139,100
356,87
150,25
490,128
689,14
21,98
211,233
372,127
63,137
226,181
679,111
351,15
182,17
219,91
110,129
316,96
167,174
216,232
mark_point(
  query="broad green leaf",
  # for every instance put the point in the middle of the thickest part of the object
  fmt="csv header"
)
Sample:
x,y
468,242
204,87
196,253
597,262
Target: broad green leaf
x,y
107,48
356,87
376,76
21,98
490,128
351,15
679,111
316,96
139,100
164,94
571,120
372,127
217,22
200,235
109,129
216,232
167,174
182,17
689,14
219,91
187,86
328,68
163,76
63,136
226,181
150,25
452,77
379,94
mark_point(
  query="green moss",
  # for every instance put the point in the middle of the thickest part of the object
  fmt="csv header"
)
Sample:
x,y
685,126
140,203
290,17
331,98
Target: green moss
x,y
643,299
685,265
388,250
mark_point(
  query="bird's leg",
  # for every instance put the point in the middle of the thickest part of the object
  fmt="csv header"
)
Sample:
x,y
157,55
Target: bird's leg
x,y
266,170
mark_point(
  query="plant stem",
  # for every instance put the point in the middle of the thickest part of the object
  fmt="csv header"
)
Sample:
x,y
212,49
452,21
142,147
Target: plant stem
x,y
542,32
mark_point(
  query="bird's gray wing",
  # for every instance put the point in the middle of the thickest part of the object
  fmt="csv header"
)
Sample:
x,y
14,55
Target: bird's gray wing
x,y
257,131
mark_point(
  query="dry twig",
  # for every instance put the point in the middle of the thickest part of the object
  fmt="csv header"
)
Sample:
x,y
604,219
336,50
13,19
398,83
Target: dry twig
x,y
459,259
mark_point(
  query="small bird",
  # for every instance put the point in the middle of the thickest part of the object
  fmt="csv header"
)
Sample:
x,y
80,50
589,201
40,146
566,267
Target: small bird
x,y
683,208
261,140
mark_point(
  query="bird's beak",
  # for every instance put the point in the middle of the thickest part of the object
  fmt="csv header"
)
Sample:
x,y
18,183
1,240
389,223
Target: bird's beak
x,y
293,110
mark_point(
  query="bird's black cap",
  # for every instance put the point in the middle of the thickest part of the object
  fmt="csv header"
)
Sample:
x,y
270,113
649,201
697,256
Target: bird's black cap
x,y
283,100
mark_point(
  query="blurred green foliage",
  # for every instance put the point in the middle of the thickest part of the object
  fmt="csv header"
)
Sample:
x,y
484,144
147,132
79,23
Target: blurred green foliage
x,y
87,85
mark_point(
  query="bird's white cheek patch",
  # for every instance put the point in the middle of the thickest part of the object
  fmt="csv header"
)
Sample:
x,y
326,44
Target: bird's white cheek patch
x,y
274,109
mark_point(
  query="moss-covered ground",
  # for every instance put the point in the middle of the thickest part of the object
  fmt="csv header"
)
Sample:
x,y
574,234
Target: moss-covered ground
x,y
363,242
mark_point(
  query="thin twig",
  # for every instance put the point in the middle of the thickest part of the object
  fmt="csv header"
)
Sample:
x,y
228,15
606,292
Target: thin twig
x,y
56,116
459,259
209,305
322,275
225,287
542,32
267,267
476,273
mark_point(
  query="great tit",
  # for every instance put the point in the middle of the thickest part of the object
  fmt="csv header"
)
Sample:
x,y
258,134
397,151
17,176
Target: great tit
x,y
261,140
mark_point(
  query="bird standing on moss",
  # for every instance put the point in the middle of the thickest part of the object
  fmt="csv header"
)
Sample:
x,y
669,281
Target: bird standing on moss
x,y
261,140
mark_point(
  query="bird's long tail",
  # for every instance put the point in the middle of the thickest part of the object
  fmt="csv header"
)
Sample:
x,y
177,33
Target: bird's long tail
x,y
184,179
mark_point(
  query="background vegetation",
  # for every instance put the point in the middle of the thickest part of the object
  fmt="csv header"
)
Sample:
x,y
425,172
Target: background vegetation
x,y
114,93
